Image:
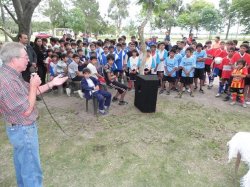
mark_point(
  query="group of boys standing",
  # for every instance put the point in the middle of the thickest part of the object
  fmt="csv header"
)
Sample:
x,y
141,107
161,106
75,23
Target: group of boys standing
x,y
114,62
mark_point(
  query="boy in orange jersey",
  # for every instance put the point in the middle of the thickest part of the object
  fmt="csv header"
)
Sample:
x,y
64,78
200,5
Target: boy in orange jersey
x,y
238,82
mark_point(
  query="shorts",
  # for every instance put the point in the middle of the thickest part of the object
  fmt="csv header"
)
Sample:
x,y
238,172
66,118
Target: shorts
x,y
237,90
217,72
169,79
149,73
179,72
132,76
207,68
121,88
160,72
225,80
247,81
187,80
199,73
118,71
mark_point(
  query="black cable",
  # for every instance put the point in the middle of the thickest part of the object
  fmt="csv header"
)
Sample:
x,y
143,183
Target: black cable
x,y
58,125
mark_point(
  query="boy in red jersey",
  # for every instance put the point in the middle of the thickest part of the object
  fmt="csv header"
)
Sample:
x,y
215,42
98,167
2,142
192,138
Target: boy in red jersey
x,y
210,53
243,55
238,82
217,68
227,68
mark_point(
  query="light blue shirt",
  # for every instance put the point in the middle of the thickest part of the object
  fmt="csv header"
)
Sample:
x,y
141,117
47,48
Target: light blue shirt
x,y
170,65
178,58
188,64
202,54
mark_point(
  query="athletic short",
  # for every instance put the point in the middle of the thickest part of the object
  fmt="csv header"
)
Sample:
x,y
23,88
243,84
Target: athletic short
x,y
247,81
132,76
160,72
149,73
118,71
217,72
179,72
237,90
199,73
121,88
207,68
225,80
169,79
187,80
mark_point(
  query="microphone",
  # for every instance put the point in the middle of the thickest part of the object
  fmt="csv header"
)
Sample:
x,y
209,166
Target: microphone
x,y
32,71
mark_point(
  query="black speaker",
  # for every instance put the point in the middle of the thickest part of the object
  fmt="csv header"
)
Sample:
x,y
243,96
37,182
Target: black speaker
x,y
146,89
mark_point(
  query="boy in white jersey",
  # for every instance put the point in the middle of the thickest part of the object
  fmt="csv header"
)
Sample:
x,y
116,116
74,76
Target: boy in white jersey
x,y
162,56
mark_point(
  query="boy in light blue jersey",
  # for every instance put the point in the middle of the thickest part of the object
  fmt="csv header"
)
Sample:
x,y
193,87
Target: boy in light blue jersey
x,y
188,64
178,57
201,57
160,62
171,66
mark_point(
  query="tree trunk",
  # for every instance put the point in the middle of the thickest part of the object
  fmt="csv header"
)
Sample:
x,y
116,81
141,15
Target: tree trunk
x,y
190,30
24,10
142,39
228,27
169,30
3,20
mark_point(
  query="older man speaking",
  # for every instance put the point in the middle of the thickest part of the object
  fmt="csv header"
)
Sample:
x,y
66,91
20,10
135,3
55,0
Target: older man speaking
x,y
17,105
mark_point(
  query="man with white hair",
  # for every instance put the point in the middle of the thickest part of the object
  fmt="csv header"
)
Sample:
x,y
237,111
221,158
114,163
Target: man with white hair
x,y
17,106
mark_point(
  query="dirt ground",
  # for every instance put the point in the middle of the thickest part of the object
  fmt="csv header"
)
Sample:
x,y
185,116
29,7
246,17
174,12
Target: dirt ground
x,y
182,144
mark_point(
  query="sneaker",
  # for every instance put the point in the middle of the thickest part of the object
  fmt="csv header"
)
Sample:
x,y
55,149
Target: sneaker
x,y
201,91
102,112
168,93
218,95
80,94
106,108
184,89
123,102
244,105
227,98
191,94
248,102
114,99
189,91
68,91
233,103
195,87
161,91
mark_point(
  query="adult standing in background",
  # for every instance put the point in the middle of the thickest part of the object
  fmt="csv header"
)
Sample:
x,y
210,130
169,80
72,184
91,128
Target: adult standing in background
x,y
216,44
167,37
41,55
24,40
17,106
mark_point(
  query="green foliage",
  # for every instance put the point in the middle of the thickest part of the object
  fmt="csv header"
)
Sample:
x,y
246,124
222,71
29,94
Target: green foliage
x,y
242,9
166,13
118,11
90,9
210,19
40,26
57,13
131,29
76,20
190,18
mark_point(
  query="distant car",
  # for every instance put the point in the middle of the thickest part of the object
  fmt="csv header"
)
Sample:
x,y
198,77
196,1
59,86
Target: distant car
x,y
43,35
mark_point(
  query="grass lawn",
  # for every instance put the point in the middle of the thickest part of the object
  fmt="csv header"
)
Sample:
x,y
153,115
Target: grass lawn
x,y
182,144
